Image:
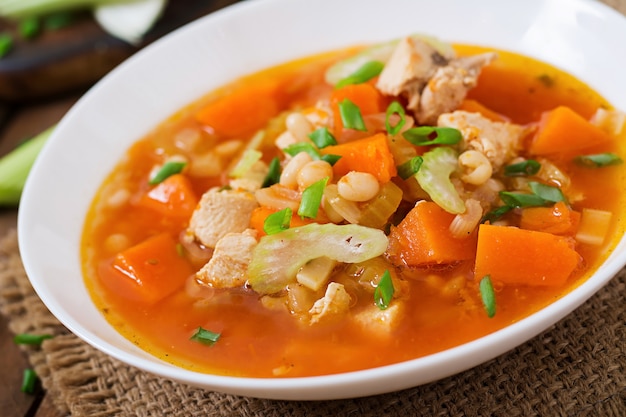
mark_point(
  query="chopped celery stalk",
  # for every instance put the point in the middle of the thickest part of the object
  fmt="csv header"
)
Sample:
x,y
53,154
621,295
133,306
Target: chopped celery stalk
x,y
434,177
15,166
19,9
129,20
248,158
277,258
316,272
594,226
345,208
378,210
379,52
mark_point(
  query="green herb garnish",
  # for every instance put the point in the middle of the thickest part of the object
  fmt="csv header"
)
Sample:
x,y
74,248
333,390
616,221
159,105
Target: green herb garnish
x,y
29,381
598,160
273,173
410,167
496,214
322,138
528,167
298,147
351,115
29,28
6,44
364,73
384,291
30,339
205,336
394,108
167,170
312,198
547,192
278,221
430,135
488,295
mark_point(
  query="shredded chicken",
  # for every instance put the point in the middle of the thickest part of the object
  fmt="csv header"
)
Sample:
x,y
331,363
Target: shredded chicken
x,y
336,301
229,265
220,212
498,141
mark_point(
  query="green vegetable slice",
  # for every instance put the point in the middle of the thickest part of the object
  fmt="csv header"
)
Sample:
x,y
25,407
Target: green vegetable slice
x,y
410,167
205,336
598,160
434,178
29,28
298,147
431,135
488,295
30,339
519,200
278,221
364,73
167,170
384,291
547,192
29,381
528,167
496,214
351,115
273,173
277,258
395,108
6,44
322,138
312,198
249,158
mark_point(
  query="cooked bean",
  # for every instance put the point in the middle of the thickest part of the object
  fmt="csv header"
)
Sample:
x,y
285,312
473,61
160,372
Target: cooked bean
x,y
299,126
289,176
358,186
313,172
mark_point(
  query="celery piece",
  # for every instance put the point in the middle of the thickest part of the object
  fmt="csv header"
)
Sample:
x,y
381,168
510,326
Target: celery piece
x,y
129,20
20,9
15,166
377,212
277,258
434,177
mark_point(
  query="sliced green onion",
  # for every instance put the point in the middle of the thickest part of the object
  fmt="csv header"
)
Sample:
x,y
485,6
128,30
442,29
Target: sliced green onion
x,y
384,291
167,170
295,148
364,73
488,296
29,381
205,336
528,167
431,135
278,221
59,20
496,214
395,108
29,28
518,200
30,339
249,158
351,115
598,160
322,138
330,158
6,44
410,167
273,173
311,199
547,192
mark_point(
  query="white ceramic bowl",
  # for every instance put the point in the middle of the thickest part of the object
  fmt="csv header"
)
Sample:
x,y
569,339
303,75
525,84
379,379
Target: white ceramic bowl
x,y
581,36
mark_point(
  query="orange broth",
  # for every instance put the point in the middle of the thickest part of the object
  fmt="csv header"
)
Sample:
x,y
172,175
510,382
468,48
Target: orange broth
x,y
445,308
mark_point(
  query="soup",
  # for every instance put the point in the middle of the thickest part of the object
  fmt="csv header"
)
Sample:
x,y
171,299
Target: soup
x,y
356,209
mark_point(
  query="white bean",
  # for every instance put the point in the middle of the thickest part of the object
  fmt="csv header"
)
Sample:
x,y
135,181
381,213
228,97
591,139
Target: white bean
x,y
289,176
313,172
299,126
358,186
477,168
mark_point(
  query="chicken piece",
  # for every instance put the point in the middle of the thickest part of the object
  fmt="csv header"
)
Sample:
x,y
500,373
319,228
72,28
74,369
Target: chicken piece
x,y
229,265
412,63
381,322
447,88
336,301
498,141
220,212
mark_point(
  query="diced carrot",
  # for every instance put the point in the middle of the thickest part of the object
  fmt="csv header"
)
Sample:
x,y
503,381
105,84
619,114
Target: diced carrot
x,y
174,197
148,271
474,106
371,154
558,219
365,96
516,256
242,111
260,213
562,130
423,238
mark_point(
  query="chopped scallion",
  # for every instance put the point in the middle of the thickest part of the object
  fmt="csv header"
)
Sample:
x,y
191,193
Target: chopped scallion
x,y
6,44
330,158
277,221
528,167
59,20
29,27
395,108
312,198
518,200
547,192
30,339
295,148
496,214
351,115
431,135
364,73
273,173
322,138
488,295
598,160
384,291
205,336
29,381
410,167
167,170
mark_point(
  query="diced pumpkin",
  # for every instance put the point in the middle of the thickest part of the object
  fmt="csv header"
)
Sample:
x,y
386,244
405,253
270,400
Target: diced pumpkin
x,y
365,96
511,255
558,219
148,271
174,197
423,238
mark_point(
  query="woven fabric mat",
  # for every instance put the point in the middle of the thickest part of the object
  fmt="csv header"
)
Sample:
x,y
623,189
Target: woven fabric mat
x,y
575,368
